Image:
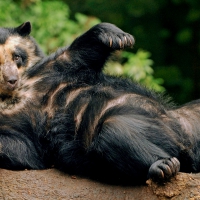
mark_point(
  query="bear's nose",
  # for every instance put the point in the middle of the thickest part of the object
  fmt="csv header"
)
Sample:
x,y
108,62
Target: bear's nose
x,y
12,81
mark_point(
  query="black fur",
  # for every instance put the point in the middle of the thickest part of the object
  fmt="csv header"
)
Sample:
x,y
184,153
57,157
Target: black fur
x,y
87,123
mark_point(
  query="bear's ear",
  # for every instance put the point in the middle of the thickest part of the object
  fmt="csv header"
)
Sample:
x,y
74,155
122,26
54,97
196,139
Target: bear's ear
x,y
24,29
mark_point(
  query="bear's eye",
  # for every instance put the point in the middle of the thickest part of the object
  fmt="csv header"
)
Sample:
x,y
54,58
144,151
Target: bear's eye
x,y
18,60
17,57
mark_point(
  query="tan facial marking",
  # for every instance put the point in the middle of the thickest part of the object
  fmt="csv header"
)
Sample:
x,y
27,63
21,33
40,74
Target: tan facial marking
x,y
11,74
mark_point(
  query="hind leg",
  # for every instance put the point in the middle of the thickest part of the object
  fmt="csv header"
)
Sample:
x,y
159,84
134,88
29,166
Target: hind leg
x,y
164,169
130,154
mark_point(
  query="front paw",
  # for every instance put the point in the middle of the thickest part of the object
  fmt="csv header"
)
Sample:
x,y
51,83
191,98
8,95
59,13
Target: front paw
x,y
113,37
164,169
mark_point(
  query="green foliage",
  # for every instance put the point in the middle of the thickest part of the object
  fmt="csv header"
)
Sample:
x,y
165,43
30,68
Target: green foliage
x,y
138,68
184,36
53,28
181,88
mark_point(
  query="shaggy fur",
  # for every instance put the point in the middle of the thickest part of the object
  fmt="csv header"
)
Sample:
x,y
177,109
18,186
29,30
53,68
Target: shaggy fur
x,y
84,122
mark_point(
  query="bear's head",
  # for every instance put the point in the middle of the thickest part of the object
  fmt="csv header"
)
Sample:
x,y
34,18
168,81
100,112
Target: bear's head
x,y
18,51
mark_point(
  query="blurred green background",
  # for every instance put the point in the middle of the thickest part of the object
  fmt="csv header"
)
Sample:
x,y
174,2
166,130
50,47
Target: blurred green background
x,y
166,56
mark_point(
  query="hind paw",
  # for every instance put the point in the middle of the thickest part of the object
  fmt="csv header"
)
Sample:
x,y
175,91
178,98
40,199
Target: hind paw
x,y
164,169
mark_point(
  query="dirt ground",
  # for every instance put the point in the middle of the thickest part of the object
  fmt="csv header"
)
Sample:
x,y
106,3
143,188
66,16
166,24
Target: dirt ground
x,y
54,185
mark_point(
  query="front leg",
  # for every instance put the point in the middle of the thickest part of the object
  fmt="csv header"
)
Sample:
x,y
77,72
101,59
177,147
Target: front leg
x,y
19,144
17,152
92,49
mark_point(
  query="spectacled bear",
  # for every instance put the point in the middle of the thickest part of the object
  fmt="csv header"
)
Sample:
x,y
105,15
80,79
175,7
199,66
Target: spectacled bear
x,y
73,116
